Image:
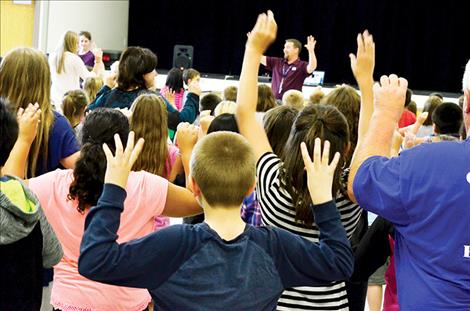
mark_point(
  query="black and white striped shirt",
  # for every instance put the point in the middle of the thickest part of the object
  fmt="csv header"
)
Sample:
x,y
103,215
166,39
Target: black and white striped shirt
x,y
277,210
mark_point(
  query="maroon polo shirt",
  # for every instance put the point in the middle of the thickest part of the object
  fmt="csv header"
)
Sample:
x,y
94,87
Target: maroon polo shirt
x,y
286,77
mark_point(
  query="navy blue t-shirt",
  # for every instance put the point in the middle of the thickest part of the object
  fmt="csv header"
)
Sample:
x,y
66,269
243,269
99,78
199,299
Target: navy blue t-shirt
x,y
190,267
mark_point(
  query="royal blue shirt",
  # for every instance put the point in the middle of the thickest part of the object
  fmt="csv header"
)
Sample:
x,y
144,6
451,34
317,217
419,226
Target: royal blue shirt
x,y
62,144
425,193
189,267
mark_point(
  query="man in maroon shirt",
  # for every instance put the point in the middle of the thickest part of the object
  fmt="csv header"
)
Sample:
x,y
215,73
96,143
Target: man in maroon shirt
x,y
290,72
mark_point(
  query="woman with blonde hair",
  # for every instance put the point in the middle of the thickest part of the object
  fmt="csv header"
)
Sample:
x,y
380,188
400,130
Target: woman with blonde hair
x,y
149,121
67,67
25,78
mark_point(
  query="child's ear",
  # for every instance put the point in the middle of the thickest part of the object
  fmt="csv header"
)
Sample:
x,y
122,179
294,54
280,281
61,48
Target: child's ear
x,y
194,187
466,106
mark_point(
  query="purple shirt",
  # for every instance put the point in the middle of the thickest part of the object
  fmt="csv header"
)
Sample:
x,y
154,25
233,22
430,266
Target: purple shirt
x,y
88,58
286,76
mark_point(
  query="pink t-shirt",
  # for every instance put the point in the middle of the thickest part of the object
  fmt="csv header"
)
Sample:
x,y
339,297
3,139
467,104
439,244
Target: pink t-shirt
x,y
146,197
164,221
178,97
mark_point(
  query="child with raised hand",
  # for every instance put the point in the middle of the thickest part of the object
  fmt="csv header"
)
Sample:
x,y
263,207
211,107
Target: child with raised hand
x,y
281,187
211,265
27,242
207,262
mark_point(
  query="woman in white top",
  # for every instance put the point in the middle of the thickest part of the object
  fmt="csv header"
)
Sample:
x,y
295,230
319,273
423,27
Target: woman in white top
x,y
67,67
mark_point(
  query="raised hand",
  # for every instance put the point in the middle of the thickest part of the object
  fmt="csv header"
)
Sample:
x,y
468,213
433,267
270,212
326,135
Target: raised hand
x,y
186,137
389,96
111,79
310,46
263,34
205,121
362,64
98,53
28,120
320,174
119,166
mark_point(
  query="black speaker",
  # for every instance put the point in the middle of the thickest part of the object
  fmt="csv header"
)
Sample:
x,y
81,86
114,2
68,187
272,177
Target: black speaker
x,y
183,56
109,57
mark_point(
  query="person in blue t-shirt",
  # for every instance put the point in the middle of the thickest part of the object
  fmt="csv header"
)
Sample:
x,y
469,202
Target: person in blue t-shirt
x,y
223,263
425,194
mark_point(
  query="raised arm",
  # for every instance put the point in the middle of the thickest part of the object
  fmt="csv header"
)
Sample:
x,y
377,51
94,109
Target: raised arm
x,y
362,66
28,121
312,58
142,263
263,61
262,35
190,110
389,98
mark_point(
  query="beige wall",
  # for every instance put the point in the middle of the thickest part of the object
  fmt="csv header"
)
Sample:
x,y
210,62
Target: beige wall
x,y
16,25
107,20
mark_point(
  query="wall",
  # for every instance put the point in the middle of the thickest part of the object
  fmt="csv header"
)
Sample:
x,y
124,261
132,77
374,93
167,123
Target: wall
x,y
16,25
106,20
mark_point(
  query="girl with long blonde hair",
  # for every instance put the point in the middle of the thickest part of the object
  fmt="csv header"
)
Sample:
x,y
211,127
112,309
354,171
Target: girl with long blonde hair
x,y
149,121
67,68
25,78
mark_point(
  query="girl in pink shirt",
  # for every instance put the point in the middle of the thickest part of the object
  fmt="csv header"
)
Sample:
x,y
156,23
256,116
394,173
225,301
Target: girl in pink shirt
x,y
173,89
67,195
149,121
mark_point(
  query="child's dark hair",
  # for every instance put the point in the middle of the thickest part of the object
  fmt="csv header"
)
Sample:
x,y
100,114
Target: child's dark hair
x,y
266,98
209,102
277,125
408,95
447,118
174,79
327,123
8,131
224,122
99,127
190,73
135,61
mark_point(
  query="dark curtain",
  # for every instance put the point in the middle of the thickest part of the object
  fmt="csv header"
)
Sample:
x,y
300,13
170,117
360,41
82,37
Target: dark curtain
x,y
427,42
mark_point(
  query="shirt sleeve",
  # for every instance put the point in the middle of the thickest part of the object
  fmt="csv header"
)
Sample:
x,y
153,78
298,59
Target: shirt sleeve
x,y
377,188
188,113
303,68
301,262
101,97
271,62
80,68
63,138
154,190
43,187
142,263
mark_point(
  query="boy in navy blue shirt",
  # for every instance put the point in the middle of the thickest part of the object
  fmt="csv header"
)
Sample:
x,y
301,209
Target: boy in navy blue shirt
x,y
222,263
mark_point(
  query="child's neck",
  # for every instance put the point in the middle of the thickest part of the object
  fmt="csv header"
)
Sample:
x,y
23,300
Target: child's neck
x,y
226,221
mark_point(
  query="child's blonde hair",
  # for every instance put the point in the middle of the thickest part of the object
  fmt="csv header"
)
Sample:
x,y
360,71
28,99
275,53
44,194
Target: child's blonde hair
x,y
91,87
225,106
224,167
25,78
316,96
230,93
293,98
73,106
149,121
